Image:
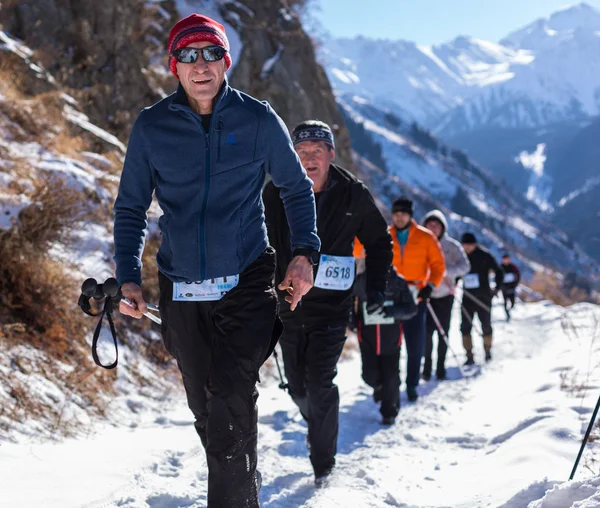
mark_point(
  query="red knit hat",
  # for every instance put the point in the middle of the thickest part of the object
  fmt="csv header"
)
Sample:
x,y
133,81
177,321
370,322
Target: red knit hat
x,y
196,28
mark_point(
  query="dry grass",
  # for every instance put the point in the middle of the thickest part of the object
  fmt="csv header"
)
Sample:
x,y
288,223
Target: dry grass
x,y
35,289
553,289
38,309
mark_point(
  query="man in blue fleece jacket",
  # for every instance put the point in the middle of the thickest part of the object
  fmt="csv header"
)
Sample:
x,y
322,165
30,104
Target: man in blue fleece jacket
x,y
205,152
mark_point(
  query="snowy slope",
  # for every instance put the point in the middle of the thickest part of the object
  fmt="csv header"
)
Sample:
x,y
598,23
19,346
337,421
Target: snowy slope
x,y
544,73
503,437
436,177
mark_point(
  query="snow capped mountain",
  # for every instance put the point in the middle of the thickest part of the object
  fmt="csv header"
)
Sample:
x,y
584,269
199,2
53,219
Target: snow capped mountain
x,y
399,157
545,73
560,26
422,81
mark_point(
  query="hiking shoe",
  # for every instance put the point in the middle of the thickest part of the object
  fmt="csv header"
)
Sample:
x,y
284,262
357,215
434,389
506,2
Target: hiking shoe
x,y
388,420
378,394
322,479
440,374
411,391
488,355
426,376
470,361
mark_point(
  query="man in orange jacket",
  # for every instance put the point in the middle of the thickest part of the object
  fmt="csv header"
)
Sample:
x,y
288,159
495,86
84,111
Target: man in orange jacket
x,y
418,257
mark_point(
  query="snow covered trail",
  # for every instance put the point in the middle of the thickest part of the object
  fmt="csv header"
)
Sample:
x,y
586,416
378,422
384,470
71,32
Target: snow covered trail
x,y
485,441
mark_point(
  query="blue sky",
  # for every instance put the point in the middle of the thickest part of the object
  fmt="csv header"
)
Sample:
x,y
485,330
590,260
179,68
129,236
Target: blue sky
x,y
432,21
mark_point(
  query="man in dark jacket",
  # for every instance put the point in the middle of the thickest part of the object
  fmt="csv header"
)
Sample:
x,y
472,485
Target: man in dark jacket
x,y
205,152
477,295
314,334
380,339
512,277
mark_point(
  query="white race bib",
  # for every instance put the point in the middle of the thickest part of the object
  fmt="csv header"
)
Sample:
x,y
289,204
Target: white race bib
x,y
377,319
471,281
508,278
335,272
204,290
414,291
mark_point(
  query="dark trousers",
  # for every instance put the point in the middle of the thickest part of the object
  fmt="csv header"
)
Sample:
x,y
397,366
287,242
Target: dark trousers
x,y
443,310
414,337
509,300
219,347
380,352
470,308
310,357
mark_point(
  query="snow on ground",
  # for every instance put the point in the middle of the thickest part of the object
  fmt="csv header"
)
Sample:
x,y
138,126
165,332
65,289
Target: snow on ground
x,y
506,436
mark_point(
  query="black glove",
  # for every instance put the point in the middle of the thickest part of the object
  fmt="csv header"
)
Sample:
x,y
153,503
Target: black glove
x,y
375,300
425,293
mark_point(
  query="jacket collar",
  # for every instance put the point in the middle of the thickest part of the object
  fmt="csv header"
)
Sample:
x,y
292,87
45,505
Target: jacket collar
x,y
179,100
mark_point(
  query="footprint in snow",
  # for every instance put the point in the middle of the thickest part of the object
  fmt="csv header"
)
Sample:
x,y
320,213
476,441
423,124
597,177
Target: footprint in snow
x,y
170,466
518,428
468,441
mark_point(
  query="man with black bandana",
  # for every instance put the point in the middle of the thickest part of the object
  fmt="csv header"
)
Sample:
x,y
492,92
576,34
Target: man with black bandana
x,y
315,333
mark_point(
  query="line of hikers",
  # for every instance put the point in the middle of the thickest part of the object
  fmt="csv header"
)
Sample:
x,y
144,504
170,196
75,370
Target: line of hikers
x,y
241,267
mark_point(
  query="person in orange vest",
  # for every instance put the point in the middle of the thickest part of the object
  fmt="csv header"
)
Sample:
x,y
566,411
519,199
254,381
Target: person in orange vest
x,y
418,257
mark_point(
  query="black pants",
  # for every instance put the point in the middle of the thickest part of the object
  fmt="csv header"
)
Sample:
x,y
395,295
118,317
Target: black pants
x,y
470,308
219,347
509,298
310,357
380,352
443,310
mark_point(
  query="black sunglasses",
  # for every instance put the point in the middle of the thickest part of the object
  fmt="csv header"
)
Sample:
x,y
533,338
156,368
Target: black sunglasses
x,y
190,55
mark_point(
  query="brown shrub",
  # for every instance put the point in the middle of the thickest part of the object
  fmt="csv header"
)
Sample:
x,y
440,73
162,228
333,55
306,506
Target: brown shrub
x,y
35,290
552,288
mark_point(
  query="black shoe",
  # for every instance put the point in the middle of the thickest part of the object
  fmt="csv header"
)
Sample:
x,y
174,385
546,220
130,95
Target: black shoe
x,y
470,361
488,355
378,394
426,376
388,420
411,391
322,479
440,374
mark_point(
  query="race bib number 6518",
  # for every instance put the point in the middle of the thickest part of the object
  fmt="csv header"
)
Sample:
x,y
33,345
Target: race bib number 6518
x,y
335,272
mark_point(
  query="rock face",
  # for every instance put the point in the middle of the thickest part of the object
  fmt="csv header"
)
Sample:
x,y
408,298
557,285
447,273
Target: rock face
x,y
105,53
295,85
94,48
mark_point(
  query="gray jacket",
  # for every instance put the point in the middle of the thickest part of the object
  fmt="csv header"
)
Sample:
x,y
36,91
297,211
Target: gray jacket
x,y
457,262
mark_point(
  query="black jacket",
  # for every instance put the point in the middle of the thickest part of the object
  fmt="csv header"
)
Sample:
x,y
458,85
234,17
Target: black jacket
x,y
482,263
345,210
511,268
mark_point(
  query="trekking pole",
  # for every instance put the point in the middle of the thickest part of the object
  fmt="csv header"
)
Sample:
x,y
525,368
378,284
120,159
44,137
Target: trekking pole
x,y
283,385
444,336
585,439
477,301
149,306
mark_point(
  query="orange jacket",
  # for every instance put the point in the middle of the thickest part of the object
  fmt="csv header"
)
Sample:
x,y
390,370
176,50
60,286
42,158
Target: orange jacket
x,y
359,249
421,260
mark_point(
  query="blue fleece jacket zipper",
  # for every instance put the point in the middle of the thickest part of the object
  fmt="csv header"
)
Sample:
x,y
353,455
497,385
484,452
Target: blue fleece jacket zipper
x,y
202,238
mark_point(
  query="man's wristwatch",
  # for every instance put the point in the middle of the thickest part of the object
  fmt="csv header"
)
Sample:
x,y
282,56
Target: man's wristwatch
x,y
311,254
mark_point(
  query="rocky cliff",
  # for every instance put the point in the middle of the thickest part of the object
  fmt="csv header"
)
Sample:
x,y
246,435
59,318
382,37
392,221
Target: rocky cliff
x,y
110,56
